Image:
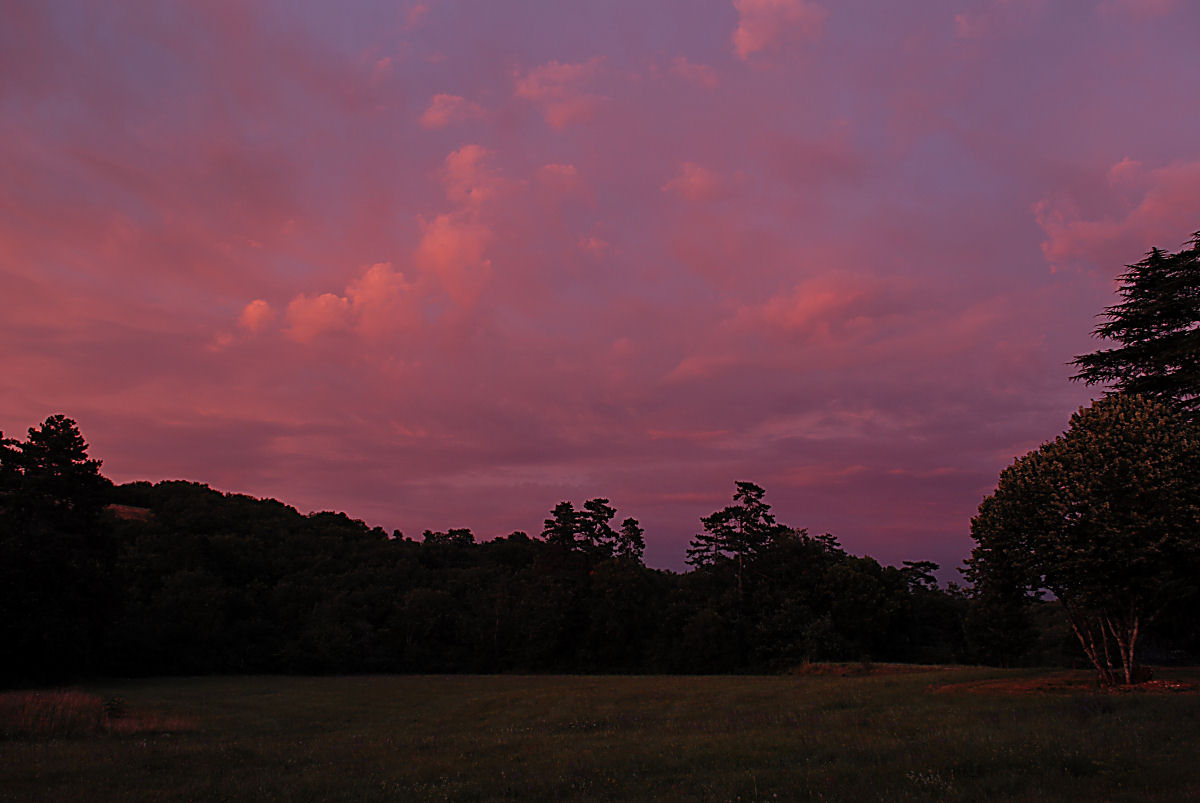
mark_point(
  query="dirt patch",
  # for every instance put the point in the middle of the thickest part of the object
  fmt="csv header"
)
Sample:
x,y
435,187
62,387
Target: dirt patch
x,y
1065,682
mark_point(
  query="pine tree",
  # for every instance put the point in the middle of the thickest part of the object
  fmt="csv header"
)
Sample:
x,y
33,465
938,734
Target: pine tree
x,y
739,531
1157,329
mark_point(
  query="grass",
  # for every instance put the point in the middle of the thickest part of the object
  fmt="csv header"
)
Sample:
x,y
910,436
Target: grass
x,y
932,735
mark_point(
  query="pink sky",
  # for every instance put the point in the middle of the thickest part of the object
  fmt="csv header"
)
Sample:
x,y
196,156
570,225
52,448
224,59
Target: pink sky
x,y
447,263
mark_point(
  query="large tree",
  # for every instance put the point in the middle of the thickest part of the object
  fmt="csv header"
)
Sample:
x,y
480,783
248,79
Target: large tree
x,y
1106,517
737,532
1156,327
56,555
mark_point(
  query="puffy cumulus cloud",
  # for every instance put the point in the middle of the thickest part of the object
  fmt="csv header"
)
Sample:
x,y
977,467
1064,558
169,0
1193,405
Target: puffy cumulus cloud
x,y
560,91
382,301
256,315
1163,210
377,303
763,24
445,110
1138,9
467,179
453,250
993,17
309,317
699,74
696,183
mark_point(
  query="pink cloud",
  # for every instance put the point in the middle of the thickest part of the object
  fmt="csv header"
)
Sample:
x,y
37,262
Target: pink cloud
x,y
1165,213
1125,172
382,301
824,306
696,183
466,178
309,317
1138,9
379,302
993,17
561,179
453,248
558,89
594,245
829,157
256,315
764,24
413,15
699,74
444,110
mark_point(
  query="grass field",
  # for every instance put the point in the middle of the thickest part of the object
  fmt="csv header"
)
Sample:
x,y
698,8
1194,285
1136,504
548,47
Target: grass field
x,y
958,734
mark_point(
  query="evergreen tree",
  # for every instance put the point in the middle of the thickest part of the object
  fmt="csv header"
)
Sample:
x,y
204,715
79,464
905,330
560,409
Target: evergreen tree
x,y
631,541
1157,329
738,532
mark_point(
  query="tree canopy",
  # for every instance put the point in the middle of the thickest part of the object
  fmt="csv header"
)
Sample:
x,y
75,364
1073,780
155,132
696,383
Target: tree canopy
x,y
1157,330
738,531
1106,517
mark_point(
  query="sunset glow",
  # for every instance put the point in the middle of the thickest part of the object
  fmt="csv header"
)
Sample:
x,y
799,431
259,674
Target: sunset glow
x,y
445,264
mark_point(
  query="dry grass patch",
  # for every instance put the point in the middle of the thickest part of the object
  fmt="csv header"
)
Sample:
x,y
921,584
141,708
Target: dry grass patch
x,y
71,712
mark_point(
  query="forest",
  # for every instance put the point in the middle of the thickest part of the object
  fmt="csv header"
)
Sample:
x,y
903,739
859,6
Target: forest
x,y
177,578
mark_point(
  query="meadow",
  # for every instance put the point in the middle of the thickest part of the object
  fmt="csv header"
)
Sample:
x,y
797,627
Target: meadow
x,y
830,733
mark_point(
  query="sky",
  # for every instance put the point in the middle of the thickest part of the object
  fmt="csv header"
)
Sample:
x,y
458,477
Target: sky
x,y
445,263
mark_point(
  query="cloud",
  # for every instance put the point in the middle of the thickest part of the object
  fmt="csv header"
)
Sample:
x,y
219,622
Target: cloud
x,y
557,88
699,74
1138,9
1125,172
594,245
382,301
377,303
764,24
696,183
466,178
256,315
414,15
444,110
310,317
562,179
826,307
995,16
1163,213
453,249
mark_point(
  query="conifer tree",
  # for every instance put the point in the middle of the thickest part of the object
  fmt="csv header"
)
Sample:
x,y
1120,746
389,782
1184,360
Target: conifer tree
x,y
1157,330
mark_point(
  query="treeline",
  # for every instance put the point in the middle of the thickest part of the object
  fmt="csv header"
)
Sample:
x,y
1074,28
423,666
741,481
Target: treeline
x,y
176,578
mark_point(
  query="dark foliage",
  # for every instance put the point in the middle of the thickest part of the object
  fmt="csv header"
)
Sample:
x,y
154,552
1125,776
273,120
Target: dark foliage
x,y
1156,327
177,578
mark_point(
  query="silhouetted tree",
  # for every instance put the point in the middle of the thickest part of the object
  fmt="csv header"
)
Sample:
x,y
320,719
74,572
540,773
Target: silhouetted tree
x,y
736,532
1106,517
57,594
460,536
1157,329
631,541
562,528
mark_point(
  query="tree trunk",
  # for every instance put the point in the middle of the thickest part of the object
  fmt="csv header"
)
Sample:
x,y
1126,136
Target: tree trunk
x,y
1087,639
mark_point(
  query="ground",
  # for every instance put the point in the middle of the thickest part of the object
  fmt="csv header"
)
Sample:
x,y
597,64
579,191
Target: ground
x,y
828,732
